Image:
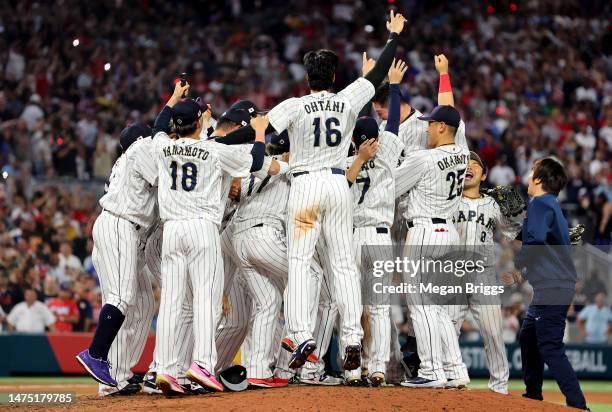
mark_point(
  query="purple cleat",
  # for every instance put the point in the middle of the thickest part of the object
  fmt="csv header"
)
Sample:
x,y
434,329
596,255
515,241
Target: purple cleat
x,y
97,368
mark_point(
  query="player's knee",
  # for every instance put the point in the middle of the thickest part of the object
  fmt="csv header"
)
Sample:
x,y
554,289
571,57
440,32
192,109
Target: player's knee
x,y
119,303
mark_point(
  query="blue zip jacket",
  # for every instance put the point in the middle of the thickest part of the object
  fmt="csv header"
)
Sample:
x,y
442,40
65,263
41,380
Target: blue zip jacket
x,y
545,254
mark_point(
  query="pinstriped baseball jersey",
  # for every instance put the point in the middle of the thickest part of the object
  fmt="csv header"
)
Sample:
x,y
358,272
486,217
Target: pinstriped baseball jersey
x,y
373,191
262,201
434,179
130,192
477,219
191,176
412,132
320,125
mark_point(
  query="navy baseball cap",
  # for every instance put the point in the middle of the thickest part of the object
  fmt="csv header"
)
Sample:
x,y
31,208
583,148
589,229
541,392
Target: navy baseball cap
x,y
132,133
234,378
365,128
474,156
186,111
445,114
247,105
279,143
239,116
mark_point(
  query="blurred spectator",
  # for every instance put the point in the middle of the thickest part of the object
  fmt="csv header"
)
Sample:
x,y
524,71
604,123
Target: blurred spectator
x,y
2,319
65,309
595,321
593,286
501,173
510,325
31,316
85,308
71,264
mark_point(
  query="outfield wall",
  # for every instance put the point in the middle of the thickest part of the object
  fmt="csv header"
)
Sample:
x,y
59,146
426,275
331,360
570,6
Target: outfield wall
x,y
53,354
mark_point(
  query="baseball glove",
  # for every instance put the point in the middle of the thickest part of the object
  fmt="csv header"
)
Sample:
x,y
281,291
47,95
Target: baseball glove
x,y
510,201
575,234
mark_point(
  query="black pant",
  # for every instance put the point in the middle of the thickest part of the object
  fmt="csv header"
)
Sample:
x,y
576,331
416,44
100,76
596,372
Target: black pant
x,y
541,339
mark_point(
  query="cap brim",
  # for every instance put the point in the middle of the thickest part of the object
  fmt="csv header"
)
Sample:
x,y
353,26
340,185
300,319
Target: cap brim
x,y
425,118
236,370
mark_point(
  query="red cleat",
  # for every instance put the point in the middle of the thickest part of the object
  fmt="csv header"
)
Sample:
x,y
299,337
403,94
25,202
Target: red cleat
x,y
273,382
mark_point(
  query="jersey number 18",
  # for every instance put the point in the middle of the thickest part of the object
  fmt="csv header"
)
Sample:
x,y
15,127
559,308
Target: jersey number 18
x,y
189,176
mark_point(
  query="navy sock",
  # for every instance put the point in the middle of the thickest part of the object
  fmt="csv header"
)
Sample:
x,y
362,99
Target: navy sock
x,y
109,323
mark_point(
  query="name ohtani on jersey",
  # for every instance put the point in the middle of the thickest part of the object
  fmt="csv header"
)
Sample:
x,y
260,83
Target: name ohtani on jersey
x,y
320,125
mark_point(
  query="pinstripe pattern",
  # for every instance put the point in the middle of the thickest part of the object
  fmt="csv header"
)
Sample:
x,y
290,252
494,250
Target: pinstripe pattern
x,y
191,253
209,180
263,261
437,342
129,192
476,220
299,115
234,325
323,202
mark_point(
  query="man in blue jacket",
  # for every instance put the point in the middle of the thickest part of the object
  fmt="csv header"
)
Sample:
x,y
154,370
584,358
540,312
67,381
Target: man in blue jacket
x,y
546,262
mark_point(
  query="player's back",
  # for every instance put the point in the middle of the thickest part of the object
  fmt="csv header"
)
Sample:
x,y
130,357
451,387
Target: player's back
x,y
439,189
191,177
129,192
320,125
262,201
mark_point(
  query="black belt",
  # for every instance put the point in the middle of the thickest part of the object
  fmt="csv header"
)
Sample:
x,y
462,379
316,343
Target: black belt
x,y
258,225
378,230
434,220
334,171
136,225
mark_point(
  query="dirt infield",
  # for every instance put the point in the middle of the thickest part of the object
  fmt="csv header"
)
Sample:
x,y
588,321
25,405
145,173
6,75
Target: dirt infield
x,y
308,398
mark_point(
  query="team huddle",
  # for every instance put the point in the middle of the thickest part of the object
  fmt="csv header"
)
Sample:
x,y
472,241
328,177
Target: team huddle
x,y
237,232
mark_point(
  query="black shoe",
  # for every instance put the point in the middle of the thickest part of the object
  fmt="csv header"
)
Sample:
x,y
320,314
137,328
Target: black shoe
x,y
301,353
294,380
352,357
365,381
537,397
195,389
129,389
136,378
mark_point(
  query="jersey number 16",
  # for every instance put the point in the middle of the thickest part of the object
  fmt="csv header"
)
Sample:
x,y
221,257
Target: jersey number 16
x,y
189,176
332,136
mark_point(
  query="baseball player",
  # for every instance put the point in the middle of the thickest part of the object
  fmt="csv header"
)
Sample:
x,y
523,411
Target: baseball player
x,y
190,184
476,220
319,199
372,179
118,234
260,243
434,181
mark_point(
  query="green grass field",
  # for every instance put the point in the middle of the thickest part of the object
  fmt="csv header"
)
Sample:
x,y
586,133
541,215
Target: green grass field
x,y
515,385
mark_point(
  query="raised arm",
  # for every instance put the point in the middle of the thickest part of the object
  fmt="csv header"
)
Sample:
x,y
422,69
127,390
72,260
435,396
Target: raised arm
x,y
162,121
445,91
396,74
376,72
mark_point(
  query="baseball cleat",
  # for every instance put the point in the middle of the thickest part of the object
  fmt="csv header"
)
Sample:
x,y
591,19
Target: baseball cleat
x,y
323,380
290,346
419,382
272,382
377,379
352,382
352,357
294,380
129,389
460,383
200,375
195,389
301,354
99,369
168,385
149,386
499,390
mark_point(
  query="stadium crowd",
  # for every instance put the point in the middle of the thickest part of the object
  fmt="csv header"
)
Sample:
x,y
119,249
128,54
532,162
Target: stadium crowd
x,y
529,80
